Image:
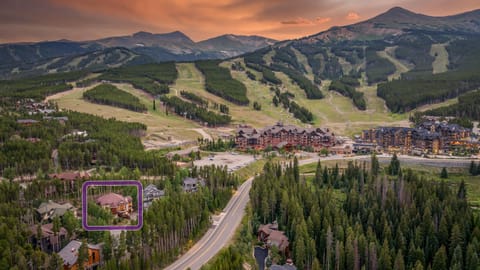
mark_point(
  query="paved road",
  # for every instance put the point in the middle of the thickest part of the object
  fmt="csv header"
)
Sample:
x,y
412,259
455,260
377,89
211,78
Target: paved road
x,y
218,236
411,160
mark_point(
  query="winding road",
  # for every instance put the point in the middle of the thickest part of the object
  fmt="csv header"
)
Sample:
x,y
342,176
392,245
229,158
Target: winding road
x,y
219,234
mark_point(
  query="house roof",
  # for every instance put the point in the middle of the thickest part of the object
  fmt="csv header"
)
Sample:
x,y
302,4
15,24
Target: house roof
x,y
46,207
190,181
112,199
153,189
47,230
69,175
69,253
26,121
283,267
278,239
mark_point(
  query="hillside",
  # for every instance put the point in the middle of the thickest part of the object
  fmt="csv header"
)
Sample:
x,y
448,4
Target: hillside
x,y
94,60
398,44
26,59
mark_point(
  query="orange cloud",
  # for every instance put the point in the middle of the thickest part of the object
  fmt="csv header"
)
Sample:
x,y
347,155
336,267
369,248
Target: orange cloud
x,y
352,16
299,20
320,20
33,20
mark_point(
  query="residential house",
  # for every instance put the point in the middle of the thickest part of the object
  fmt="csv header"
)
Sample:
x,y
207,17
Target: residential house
x,y
69,178
69,254
116,203
26,122
271,236
283,136
151,193
61,119
49,241
192,184
49,210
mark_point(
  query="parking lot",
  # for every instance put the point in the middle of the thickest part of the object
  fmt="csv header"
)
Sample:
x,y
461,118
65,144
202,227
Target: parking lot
x,y
233,161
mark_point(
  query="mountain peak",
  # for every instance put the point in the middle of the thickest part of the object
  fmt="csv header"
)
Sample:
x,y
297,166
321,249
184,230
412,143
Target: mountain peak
x,y
398,10
142,34
397,13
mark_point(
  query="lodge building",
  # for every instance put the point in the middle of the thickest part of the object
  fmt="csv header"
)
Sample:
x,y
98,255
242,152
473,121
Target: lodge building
x,y
283,136
428,137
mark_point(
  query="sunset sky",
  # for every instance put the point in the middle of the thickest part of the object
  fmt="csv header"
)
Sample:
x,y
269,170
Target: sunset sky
x,y
37,20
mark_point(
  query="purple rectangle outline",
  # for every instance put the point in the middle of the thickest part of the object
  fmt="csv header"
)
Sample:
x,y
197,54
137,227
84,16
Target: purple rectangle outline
x,y
139,186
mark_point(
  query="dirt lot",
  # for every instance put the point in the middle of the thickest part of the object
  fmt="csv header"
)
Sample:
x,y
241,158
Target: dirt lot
x,y
233,161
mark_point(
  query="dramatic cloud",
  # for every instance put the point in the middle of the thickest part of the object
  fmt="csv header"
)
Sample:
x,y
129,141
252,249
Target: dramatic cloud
x,y
352,16
33,20
322,20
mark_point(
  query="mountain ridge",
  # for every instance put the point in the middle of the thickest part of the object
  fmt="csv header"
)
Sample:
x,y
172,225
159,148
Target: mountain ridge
x,y
398,20
28,57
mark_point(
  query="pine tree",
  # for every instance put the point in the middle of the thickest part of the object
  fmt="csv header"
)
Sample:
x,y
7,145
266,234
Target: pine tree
x,y
472,261
457,259
154,107
385,260
82,254
318,174
444,173
316,265
374,165
440,259
296,169
56,262
418,265
399,263
473,168
462,190
394,167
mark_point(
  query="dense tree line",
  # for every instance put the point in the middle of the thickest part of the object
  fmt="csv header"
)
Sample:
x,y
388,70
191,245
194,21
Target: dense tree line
x,y
219,81
324,65
256,62
109,142
16,251
286,56
39,87
346,87
151,78
173,222
357,220
110,95
195,98
415,49
463,54
299,112
267,75
378,68
229,258
311,90
412,91
468,106
405,95
170,223
193,112
216,146
256,57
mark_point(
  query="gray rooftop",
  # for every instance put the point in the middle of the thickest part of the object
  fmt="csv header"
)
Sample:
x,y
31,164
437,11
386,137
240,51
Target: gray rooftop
x,y
69,253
